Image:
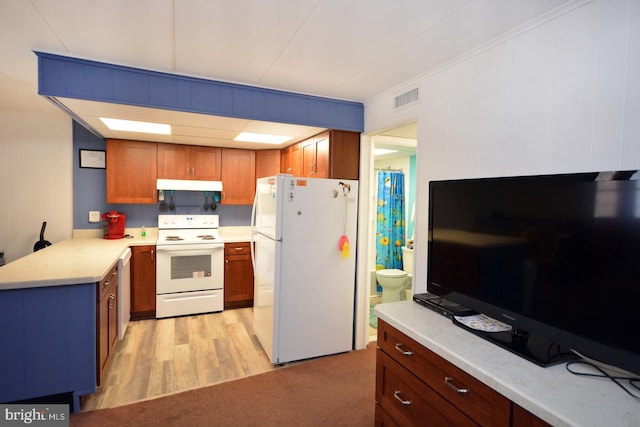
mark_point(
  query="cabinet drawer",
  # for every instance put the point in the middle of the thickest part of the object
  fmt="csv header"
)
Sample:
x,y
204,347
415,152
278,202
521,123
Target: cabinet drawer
x,y
243,248
478,401
409,401
104,285
382,419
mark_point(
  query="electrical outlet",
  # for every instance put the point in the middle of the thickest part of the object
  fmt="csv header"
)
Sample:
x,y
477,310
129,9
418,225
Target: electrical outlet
x,y
94,216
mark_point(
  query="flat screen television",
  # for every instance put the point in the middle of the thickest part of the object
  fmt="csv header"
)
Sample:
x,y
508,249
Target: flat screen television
x,y
556,257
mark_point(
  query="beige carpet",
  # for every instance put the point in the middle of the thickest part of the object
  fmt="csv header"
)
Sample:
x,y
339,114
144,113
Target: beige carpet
x,y
328,391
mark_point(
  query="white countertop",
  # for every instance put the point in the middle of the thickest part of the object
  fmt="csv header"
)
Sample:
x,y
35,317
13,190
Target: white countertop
x,y
553,394
69,262
85,258
235,234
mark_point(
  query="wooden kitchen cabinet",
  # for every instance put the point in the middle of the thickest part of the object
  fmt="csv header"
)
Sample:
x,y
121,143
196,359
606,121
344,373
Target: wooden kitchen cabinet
x,y
267,163
143,282
330,154
290,160
416,387
131,170
107,320
314,154
176,161
238,176
238,275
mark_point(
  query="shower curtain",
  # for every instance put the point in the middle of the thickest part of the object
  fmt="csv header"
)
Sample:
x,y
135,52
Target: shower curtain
x,y
390,229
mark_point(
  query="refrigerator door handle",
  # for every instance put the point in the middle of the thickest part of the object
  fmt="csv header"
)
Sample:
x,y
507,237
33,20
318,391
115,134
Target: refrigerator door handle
x,y
253,233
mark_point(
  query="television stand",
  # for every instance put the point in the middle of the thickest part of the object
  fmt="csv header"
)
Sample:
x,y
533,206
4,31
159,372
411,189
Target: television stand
x,y
534,348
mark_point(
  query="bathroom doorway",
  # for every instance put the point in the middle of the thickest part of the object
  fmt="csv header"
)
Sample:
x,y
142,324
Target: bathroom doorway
x,y
393,157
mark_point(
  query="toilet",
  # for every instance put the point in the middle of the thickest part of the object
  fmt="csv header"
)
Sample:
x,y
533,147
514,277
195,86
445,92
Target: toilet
x,y
396,282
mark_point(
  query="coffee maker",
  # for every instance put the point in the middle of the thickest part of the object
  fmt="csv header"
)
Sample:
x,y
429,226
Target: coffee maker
x,y
113,223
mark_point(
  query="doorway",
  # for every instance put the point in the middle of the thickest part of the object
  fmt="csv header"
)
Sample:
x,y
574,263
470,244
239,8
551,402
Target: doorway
x,y
392,150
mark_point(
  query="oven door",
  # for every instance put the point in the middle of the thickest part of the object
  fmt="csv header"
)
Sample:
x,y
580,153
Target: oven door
x,y
186,268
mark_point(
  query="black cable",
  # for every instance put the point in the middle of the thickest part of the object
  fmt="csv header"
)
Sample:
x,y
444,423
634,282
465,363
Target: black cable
x,y
634,382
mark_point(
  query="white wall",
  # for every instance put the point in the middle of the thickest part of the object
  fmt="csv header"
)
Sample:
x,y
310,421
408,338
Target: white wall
x,y
36,179
561,94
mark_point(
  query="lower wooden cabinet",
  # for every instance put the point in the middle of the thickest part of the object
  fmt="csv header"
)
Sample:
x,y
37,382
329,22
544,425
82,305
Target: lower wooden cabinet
x,y
143,282
107,321
416,387
238,275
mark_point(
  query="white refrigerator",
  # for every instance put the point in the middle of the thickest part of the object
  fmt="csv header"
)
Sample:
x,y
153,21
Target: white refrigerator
x,y
304,259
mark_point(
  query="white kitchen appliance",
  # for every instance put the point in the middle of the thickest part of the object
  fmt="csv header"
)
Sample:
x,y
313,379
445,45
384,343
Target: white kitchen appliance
x,y
304,266
189,265
124,292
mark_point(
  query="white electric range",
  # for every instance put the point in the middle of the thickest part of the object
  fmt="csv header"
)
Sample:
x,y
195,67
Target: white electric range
x,y
189,265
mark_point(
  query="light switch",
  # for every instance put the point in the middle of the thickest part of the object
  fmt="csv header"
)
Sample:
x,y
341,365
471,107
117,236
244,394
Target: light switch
x,y
94,216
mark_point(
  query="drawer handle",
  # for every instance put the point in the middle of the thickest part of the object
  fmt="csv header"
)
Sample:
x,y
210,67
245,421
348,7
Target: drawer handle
x,y
238,248
449,381
396,394
106,283
405,353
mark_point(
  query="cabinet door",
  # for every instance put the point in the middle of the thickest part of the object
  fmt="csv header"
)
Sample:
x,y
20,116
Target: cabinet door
x,y
131,171
267,163
106,322
174,161
523,418
103,336
308,158
112,306
285,160
296,160
238,176
143,282
345,155
322,156
205,163
238,276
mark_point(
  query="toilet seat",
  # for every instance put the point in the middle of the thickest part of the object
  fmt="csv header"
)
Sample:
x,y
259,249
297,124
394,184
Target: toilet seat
x,y
392,273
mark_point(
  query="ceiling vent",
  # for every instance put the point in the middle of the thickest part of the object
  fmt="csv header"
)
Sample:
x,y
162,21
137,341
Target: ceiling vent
x,y
407,98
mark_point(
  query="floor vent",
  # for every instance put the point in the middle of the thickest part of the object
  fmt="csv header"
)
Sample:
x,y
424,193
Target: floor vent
x,y
410,97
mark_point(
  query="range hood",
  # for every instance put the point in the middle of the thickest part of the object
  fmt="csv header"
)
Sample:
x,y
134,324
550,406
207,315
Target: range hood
x,y
188,185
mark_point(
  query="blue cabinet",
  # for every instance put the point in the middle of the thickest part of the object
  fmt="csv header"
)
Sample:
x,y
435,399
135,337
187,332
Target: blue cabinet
x,y
48,342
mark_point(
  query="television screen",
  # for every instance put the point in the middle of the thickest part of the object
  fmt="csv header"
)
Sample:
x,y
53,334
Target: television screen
x,y
557,256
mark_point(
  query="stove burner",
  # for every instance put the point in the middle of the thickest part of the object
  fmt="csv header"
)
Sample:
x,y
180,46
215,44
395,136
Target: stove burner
x,y
206,237
173,238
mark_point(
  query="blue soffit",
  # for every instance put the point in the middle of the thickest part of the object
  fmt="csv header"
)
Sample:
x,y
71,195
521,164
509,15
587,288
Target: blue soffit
x,y
67,77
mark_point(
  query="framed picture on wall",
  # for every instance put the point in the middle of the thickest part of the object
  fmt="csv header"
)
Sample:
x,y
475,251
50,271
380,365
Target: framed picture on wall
x,y
94,159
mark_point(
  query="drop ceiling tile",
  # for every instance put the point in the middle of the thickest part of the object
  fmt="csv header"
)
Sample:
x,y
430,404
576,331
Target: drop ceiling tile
x,y
136,33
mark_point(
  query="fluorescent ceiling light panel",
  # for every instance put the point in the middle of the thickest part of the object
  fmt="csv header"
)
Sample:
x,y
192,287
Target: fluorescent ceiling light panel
x,y
381,151
133,126
262,138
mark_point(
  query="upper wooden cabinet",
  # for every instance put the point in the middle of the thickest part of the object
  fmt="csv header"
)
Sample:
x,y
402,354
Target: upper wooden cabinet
x,y
290,160
177,161
238,176
330,154
131,171
267,163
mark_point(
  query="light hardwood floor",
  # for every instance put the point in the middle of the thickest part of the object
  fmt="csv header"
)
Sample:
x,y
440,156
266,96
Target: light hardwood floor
x,y
165,356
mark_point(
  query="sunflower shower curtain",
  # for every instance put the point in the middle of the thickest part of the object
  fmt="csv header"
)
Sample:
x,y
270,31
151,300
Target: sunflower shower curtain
x,y
390,229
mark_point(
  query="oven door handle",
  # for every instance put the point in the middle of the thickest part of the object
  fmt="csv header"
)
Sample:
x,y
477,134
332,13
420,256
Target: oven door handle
x,y
194,247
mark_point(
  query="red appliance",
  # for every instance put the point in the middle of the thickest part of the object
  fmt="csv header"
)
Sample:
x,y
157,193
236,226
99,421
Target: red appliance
x,y
113,223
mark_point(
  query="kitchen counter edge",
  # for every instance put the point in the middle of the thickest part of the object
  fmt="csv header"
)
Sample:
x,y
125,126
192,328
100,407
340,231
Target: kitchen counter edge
x,y
69,262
